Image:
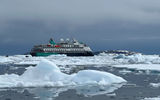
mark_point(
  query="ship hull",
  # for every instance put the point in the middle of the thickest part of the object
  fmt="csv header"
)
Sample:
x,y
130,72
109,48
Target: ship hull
x,y
68,54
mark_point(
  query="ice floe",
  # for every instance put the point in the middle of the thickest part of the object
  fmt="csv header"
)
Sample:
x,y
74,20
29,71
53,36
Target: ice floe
x,y
154,67
102,58
58,60
136,61
154,98
155,85
47,74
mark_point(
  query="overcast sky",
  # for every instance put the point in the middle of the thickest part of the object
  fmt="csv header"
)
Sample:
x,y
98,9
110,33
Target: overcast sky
x,y
102,24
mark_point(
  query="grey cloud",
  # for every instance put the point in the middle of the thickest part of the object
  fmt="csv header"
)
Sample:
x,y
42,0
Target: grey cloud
x,y
103,24
82,11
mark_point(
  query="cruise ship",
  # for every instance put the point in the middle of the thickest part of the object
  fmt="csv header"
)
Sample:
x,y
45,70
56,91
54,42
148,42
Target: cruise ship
x,y
67,47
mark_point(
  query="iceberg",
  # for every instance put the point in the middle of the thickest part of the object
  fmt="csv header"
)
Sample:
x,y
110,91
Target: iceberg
x,y
47,74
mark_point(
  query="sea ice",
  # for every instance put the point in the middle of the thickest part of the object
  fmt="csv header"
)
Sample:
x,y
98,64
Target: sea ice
x,y
154,67
138,59
103,58
155,98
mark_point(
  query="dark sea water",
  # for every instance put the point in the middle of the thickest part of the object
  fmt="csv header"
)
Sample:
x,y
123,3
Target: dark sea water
x,y
137,87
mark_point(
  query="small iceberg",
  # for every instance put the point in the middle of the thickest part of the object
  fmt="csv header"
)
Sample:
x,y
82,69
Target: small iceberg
x,y
155,98
47,74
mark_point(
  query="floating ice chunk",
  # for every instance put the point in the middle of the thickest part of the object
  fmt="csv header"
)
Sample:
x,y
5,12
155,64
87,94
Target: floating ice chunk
x,y
155,98
93,76
124,71
138,59
154,67
155,85
4,59
46,73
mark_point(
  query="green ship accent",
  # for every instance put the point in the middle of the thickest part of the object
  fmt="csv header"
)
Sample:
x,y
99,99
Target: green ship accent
x,y
45,54
52,42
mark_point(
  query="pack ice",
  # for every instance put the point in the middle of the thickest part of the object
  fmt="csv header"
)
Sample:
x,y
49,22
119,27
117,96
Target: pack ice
x,y
47,74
